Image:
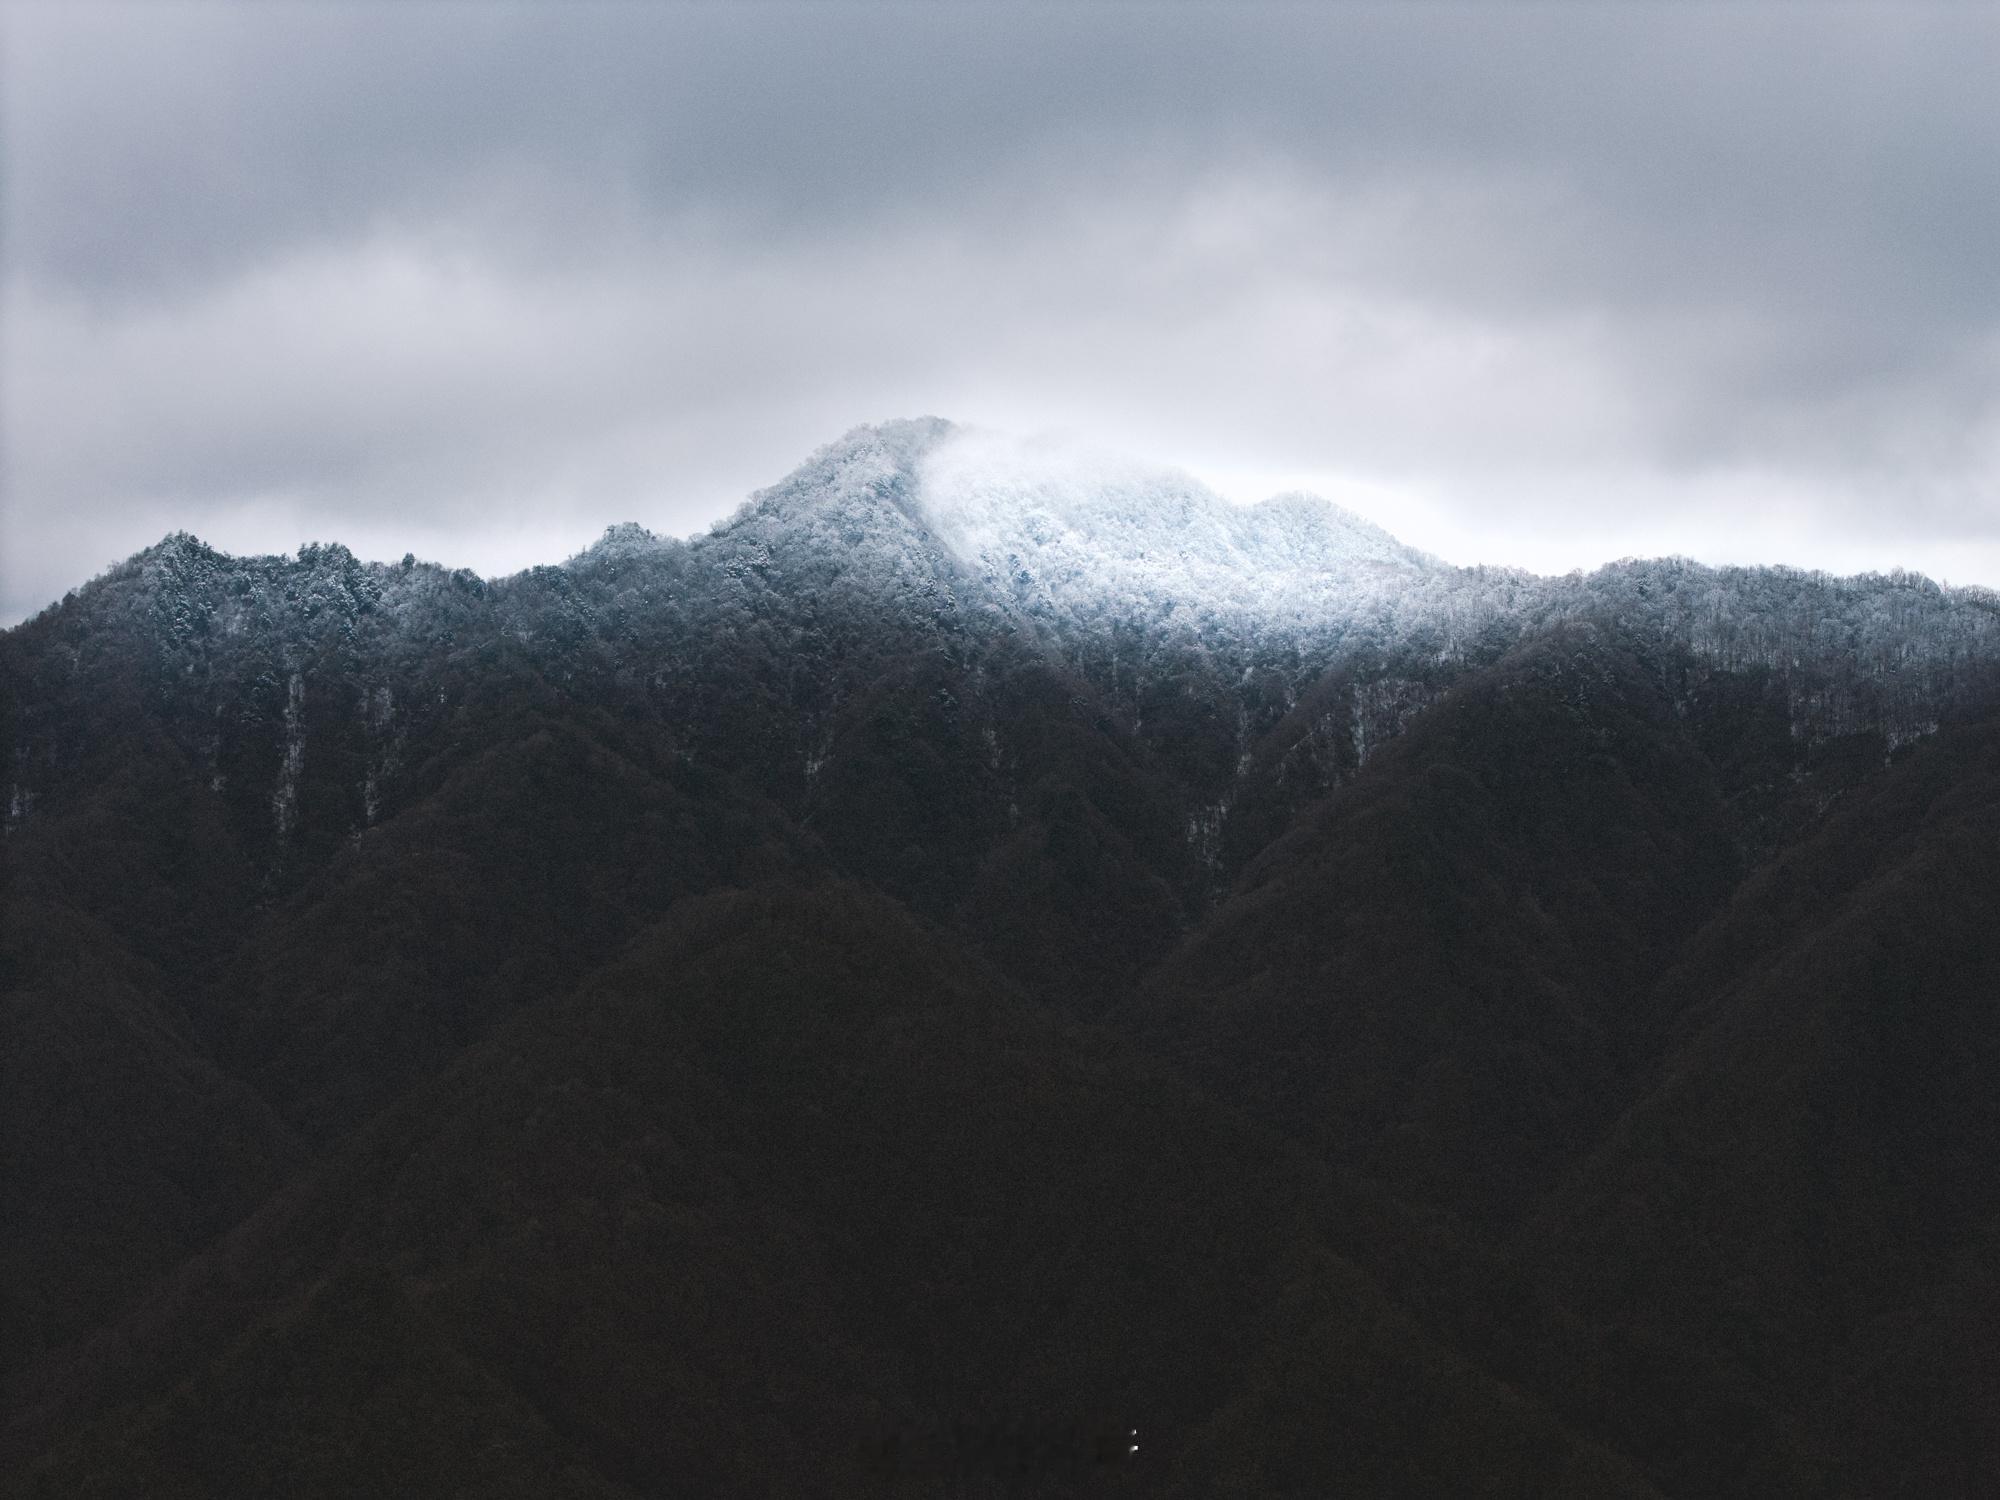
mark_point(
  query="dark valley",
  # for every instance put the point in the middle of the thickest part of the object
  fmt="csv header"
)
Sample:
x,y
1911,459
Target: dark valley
x,y
983,976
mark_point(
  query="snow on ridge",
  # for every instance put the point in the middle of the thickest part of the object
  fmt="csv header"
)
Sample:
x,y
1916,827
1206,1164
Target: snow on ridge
x,y
1055,523
866,463
1312,521
1053,517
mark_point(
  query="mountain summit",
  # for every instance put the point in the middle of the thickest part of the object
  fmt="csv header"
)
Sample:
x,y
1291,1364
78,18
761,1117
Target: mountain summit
x,y
1054,523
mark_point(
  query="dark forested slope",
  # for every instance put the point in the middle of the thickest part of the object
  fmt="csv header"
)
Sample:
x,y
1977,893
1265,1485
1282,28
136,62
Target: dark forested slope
x,y
1442,972
1803,1205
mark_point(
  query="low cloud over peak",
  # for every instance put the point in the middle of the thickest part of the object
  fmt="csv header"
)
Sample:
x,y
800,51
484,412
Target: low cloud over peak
x,y
1540,286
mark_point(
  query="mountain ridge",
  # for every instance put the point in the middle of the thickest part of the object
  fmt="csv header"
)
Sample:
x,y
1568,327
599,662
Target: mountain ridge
x,y
1067,984
886,461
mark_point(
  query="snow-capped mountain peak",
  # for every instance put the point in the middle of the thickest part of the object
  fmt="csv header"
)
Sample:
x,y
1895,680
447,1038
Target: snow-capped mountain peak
x,y
1085,529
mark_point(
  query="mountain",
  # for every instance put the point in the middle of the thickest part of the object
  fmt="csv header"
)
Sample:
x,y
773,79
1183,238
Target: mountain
x,y
986,950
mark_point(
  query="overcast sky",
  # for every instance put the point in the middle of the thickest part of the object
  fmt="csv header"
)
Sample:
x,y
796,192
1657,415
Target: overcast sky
x,y
1544,286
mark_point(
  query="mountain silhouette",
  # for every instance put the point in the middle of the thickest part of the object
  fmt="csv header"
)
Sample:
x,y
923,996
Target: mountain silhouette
x,y
995,970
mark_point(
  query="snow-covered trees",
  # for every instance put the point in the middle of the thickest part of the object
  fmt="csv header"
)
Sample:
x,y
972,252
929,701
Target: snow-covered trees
x,y
1253,656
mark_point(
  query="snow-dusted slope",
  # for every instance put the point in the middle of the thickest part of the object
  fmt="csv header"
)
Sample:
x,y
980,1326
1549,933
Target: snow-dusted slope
x,y
1076,534
1093,534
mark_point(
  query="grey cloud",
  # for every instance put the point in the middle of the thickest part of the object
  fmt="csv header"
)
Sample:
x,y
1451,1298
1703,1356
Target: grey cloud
x,y
515,271
1731,142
